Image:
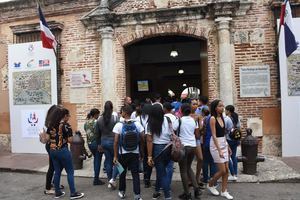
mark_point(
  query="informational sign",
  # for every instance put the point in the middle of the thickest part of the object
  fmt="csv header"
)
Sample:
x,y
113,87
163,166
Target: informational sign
x,y
290,95
81,79
255,81
32,90
78,95
293,70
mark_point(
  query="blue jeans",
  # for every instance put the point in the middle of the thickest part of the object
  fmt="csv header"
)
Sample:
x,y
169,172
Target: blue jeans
x,y
62,159
108,146
162,170
208,161
97,159
233,163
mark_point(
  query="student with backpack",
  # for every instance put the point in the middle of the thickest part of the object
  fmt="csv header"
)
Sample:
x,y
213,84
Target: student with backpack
x,y
89,127
105,140
158,137
232,122
60,135
128,144
187,132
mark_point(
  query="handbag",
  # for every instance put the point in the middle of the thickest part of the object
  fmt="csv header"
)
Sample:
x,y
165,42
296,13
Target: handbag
x,y
235,133
177,148
44,136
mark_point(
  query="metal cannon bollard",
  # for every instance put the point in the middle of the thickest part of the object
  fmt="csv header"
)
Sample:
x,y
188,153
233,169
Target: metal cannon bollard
x,y
77,150
249,153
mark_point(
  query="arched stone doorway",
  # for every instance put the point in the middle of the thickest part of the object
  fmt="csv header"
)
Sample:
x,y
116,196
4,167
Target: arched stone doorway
x,y
161,63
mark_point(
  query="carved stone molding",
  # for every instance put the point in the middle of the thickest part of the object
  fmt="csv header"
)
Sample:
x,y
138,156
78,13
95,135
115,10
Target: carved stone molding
x,y
27,28
102,16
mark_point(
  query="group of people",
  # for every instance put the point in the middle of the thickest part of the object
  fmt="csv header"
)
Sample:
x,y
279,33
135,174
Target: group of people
x,y
137,138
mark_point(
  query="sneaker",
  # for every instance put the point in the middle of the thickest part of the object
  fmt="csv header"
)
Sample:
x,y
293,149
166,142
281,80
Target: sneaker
x,y
235,178
226,195
98,182
156,195
201,185
137,197
112,184
121,194
147,184
185,196
213,190
231,178
49,192
60,187
76,195
61,194
197,193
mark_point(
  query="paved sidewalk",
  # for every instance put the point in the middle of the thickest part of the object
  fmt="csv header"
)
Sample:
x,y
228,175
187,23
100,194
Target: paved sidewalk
x,y
272,170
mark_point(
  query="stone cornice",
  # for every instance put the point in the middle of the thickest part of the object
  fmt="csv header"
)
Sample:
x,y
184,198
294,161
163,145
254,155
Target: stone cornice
x,y
27,28
101,17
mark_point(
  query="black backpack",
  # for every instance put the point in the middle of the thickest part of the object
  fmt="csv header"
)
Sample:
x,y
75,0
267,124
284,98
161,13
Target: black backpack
x,y
129,138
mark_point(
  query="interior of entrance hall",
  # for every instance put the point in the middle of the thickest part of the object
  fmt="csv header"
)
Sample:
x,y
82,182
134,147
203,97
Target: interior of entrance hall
x,y
163,63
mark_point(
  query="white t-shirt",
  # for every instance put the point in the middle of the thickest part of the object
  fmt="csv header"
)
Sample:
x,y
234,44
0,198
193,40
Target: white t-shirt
x,y
118,130
133,115
142,121
165,135
187,131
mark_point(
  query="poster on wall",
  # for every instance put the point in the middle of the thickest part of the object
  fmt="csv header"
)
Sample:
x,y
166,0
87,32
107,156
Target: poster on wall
x,y
32,87
255,81
32,77
293,71
81,79
32,122
143,85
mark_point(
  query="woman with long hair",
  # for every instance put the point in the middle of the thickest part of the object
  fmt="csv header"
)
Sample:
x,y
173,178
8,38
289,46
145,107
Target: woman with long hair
x,y
232,121
89,128
104,127
219,148
49,175
60,135
158,136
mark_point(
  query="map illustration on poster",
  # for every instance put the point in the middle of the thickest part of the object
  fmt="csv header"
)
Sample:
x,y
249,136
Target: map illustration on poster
x,y
293,70
32,87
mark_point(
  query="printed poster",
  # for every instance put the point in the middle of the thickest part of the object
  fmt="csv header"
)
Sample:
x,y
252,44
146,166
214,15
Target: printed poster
x,y
32,122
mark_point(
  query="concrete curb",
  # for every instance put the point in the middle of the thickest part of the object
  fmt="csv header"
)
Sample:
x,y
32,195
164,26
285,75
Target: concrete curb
x,y
29,171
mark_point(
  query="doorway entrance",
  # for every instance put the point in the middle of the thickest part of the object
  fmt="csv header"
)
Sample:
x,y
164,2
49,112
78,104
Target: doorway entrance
x,y
162,64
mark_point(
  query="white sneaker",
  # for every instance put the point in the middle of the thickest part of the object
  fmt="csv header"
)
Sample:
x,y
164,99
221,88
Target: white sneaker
x,y
226,195
121,194
213,190
112,184
231,178
235,178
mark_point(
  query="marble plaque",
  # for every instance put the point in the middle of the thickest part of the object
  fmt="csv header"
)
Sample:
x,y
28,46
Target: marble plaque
x,y
255,81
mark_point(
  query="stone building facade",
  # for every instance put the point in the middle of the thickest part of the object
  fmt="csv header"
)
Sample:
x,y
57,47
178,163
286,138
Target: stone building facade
x,y
94,33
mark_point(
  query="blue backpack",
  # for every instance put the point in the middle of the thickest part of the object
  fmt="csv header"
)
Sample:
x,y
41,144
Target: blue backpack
x,y
129,138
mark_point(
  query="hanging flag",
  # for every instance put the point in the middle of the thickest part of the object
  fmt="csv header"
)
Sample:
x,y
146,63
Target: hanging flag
x,y
286,28
48,39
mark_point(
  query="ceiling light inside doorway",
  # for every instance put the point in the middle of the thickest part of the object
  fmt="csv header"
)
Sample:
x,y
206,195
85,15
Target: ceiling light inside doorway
x,y
181,71
174,53
184,85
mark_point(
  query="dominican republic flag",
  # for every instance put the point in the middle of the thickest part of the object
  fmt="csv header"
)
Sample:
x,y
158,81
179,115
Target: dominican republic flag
x,y
48,39
286,29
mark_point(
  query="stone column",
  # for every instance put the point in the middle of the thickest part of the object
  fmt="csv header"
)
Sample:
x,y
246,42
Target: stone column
x,y
107,77
225,60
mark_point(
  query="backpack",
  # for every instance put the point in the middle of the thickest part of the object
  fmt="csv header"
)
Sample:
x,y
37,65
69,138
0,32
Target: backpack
x,y
235,133
89,128
129,138
177,148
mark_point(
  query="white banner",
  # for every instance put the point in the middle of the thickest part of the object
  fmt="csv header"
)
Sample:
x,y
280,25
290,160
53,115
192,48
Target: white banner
x,y
290,96
32,90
